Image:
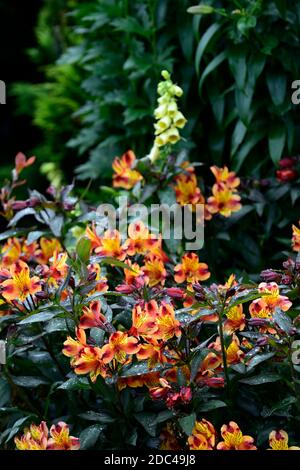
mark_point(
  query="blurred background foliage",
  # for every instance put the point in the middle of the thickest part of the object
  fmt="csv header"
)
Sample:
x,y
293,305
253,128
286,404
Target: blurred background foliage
x,y
99,63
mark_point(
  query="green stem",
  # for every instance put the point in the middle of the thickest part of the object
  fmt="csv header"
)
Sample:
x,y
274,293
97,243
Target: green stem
x,y
222,341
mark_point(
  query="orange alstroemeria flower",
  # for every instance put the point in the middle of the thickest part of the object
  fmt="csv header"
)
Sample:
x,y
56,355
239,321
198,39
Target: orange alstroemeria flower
x,y
223,175
234,354
37,438
124,175
150,379
191,270
34,438
134,274
20,285
92,316
61,439
187,190
154,352
296,238
74,347
144,319
234,439
264,306
110,245
11,252
47,250
155,270
167,324
279,440
58,269
203,436
119,345
94,238
235,319
140,240
90,361
224,201
101,285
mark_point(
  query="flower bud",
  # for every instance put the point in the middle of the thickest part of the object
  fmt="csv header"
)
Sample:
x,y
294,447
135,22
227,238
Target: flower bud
x,y
258,322
263,341
286,279
19,205
268,275
287,162
177,91
166,75
92,276
175,292
287,174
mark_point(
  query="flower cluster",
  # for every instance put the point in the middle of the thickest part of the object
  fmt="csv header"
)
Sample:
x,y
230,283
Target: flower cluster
x,y
169,118
38,437
204,437
224,199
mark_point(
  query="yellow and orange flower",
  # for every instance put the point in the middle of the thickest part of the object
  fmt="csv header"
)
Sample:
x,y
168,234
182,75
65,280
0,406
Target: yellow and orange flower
x,y
187,190
74,347
134,274
58,268
140,240
155,270
120,345
11,252
102,285
150,379
20,285
234,354
90,361
223,201
154,352
279,440
124,175
111,245
34,438
37,438
203,436
60,438
224,176
144,319
233,438
92,316
264,306
91,234
167,324
191,270
47,250
235,319
296,238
